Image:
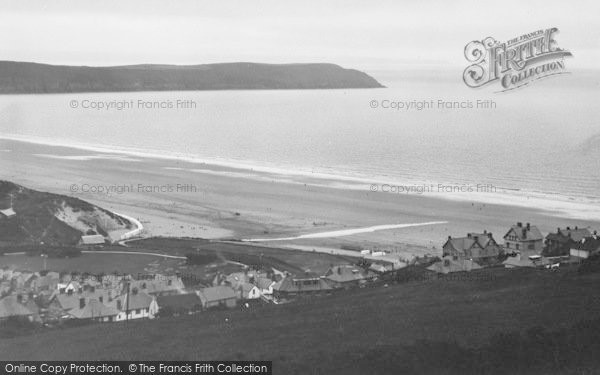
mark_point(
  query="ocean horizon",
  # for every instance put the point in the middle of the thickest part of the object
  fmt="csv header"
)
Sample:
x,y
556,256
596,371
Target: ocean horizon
x,y
337,138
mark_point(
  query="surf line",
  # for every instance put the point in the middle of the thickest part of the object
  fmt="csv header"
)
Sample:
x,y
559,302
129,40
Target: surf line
x,y
345,232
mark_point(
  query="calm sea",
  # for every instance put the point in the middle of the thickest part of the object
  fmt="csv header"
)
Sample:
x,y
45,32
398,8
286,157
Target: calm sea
x,y
543,140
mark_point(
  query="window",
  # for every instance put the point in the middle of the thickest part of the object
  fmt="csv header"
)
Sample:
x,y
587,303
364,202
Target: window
x,y
508,245
138,311
517,246
531,246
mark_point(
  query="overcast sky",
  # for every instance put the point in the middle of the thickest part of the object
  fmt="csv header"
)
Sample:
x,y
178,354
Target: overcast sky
x,y
360,34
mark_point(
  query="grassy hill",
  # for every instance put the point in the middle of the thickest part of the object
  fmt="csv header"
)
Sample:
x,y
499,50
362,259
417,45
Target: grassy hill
x,y
23,77
51,218
445,326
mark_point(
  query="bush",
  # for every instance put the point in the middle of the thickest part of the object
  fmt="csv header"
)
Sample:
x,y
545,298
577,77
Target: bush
x,y
200,259
591,264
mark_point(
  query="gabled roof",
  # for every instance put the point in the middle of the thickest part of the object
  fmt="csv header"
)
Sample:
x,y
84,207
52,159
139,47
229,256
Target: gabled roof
x,y
590,244
471,240
133,301
264,282
158,284
453,266
93,309
8,212
179,301
71,301
217,293
525,233
10,306
577,234
344,273
237,278
381,268
293,285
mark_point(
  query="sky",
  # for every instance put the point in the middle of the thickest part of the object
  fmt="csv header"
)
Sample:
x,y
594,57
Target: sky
x,y
367,35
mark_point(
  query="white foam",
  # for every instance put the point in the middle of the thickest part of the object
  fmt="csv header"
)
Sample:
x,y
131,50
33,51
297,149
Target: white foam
x,y
346,232
555,204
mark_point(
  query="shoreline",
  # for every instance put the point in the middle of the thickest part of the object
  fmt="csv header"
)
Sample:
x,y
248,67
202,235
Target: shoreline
x,y
580,207
223,205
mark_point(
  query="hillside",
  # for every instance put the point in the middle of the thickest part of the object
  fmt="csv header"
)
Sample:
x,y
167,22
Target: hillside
x,y
24,77
51,218
445,326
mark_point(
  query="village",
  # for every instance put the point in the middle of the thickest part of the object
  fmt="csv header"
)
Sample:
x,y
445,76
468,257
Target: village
x,y
51,298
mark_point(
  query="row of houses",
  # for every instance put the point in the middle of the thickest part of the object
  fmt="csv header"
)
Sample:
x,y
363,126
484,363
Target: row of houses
x,y
50,297
276,288
523,246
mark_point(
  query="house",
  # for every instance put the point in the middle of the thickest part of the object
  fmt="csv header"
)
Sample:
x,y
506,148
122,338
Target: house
x,y
90,240
475,246
265,285
561,242
178,304
248,291
15,306
345,276
70,286
7,213
586,247
46,283
381,268
450,265
63,303
94,310
524,238
156,285
292,286
216,296
519,260
236,279
135,304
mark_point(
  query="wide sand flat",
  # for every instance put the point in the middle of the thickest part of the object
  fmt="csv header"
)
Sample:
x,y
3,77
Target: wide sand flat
x,y
182,198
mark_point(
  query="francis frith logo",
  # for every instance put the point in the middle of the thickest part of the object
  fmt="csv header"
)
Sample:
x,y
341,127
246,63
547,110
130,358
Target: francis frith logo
x,y
516,62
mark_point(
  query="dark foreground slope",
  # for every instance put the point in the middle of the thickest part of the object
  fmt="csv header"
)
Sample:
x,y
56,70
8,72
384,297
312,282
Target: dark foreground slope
x,y
22,77
446,326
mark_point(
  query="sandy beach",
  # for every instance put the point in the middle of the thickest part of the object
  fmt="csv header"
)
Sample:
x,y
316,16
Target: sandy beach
x,y
181,198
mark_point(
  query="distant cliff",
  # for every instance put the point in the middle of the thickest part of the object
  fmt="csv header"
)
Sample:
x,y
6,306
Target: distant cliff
x,y
23,77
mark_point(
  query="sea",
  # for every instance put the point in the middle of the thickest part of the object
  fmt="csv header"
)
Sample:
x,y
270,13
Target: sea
x,y
536,146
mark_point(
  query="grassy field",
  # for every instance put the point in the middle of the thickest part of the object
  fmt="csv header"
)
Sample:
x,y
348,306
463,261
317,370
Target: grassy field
x,y
296,262
332,334
95,263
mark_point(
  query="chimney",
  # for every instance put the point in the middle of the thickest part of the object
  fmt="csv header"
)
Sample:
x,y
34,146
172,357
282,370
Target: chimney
x,y
469,235
528,226
568,228
519,224
489,235
485,231
576,227
449,237
81,303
